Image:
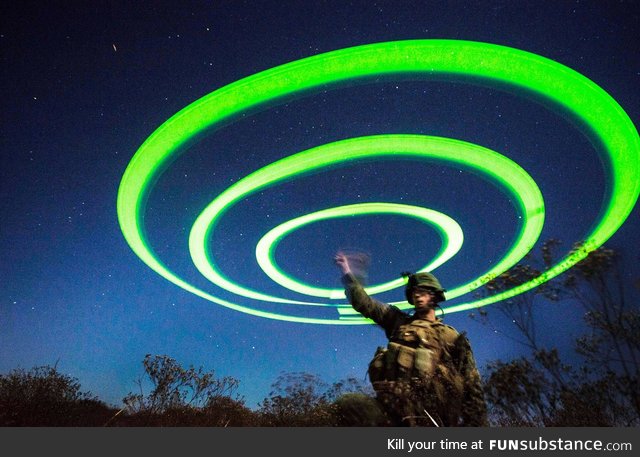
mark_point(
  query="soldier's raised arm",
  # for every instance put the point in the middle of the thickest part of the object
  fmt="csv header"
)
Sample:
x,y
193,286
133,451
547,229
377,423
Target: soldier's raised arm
x,y
361,301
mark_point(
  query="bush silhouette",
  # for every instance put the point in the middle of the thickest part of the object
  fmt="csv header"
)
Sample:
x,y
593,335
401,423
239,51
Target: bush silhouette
x,y
43,396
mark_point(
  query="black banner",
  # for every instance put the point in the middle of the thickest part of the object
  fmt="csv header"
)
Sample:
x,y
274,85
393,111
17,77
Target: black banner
x,y
283,442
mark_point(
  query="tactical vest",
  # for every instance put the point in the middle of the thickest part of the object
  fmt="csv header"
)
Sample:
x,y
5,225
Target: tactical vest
x,y
417,349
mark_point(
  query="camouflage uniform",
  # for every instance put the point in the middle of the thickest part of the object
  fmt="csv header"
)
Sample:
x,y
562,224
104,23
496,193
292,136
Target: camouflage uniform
x,y
427,374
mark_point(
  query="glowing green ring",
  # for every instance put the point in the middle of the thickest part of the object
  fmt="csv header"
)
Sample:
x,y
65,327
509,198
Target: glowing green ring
x,y
449,230
608,122
500,169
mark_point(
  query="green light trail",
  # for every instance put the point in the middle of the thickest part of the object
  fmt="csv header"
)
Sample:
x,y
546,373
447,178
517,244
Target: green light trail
x,y
501,170
449,230
426,59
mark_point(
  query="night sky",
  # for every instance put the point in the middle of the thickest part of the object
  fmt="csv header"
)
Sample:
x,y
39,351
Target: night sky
x,y
85,83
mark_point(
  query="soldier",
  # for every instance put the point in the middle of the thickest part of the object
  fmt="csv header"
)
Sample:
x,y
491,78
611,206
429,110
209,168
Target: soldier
x,y
426,376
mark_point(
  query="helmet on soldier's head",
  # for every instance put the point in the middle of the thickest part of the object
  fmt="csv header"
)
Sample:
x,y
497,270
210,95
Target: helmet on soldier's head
x,y
426,281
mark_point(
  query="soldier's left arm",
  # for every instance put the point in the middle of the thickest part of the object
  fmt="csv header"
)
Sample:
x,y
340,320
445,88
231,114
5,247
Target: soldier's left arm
x,y
474,406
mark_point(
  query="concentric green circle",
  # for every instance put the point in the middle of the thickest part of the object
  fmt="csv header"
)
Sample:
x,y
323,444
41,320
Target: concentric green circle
x,y
520,187
449,230
609,126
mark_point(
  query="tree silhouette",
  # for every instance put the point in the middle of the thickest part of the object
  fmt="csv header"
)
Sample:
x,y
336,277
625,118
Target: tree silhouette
x,y
184,396
542,390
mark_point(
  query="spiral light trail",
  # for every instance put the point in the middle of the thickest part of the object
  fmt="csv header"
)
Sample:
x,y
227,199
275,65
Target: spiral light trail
x,y
507,68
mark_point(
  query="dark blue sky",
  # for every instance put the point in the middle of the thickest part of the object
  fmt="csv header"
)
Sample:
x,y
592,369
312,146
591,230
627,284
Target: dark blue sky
x,y
85,83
